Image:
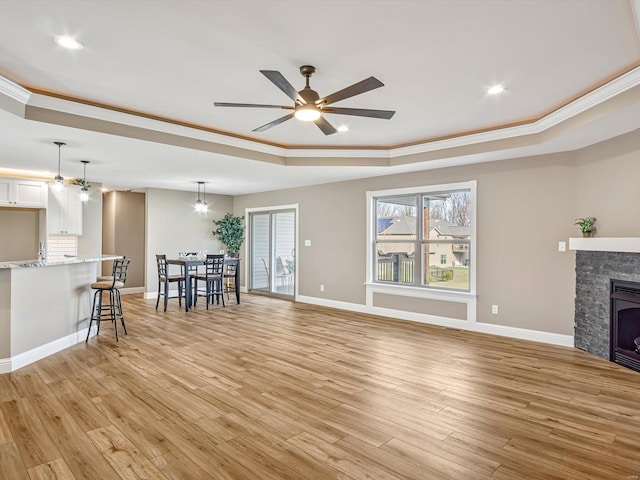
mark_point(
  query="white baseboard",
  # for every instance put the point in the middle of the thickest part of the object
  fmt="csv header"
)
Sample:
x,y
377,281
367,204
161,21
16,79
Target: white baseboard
x,y
130,290
150,295
500,330
38,353
5,365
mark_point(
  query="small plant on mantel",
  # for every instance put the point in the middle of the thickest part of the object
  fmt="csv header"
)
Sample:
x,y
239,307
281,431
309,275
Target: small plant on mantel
x,y
586,225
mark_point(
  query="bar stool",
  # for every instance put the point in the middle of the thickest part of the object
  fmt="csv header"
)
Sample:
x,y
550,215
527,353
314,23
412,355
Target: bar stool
x,y
111,311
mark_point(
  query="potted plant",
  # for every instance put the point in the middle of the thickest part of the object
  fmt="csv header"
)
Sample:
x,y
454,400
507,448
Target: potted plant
x,y
586,225
230,231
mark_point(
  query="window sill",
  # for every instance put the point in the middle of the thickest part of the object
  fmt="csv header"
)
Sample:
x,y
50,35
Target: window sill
x,y
410,291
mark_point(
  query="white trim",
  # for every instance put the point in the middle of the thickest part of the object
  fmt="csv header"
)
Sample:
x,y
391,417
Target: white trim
x,y
247,212
122,118
130,290
599,95
150,295
5,365
38,353
604,244
526,334
14,91
470,324
471,185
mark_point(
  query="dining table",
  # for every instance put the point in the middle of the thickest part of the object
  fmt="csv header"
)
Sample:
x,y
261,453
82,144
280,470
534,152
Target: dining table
x,y
187,263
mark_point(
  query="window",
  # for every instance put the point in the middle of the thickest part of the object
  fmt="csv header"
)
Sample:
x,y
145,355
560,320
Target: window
x,y
423,238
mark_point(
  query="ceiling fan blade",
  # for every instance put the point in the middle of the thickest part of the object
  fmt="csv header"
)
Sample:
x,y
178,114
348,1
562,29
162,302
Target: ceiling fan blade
x,y
278,121
360,112
365,85
325,126
283,84
251,105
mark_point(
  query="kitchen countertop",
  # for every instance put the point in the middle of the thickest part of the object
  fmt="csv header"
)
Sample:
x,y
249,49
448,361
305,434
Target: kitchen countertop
x,y
52,262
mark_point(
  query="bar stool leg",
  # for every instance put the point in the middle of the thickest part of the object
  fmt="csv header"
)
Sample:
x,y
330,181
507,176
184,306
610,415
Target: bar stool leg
x,y
112,312
93,309
119,299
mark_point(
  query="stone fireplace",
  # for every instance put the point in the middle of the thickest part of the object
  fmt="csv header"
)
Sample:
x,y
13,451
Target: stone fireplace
x,y
607,272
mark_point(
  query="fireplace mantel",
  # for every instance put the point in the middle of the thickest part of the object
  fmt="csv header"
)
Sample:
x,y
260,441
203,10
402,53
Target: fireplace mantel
x,y
606,244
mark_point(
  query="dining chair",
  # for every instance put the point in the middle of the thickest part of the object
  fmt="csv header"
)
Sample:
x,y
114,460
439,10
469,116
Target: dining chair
x,y
230,278
165,280
213,279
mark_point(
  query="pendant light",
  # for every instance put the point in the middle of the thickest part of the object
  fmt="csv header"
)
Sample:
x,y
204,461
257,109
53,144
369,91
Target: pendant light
x,y
205,207
201,206
198,205
58,180
84,191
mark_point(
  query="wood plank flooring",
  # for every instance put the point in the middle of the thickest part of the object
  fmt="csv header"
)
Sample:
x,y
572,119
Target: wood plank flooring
x,y
276,390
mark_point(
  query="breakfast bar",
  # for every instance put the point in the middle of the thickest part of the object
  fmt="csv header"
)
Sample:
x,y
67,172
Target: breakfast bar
x,y
44,306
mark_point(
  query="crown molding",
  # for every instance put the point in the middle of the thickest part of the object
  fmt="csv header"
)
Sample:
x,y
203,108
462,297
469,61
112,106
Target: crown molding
x,y
589,100
14,91
582,104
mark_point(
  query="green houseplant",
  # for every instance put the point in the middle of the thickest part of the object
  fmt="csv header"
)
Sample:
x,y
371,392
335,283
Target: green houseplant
x,y
230,231
586,225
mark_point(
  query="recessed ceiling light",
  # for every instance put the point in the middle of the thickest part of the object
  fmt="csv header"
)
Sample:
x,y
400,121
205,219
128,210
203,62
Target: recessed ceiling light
x,y
495,89
68,42
343,128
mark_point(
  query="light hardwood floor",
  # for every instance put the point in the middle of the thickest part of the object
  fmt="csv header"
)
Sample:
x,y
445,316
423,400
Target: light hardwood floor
x,y
276,390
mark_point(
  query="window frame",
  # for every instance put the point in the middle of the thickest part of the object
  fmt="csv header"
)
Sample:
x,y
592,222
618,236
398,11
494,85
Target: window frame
x,y
417,285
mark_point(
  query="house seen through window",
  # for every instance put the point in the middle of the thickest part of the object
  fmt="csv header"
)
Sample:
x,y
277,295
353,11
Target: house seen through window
x,y
424,239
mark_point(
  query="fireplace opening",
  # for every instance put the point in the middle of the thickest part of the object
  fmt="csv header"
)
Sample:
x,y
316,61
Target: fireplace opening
x,y
625,324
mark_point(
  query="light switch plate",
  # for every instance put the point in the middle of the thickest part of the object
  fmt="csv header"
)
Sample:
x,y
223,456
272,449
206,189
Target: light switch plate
x,y
307,243
562,246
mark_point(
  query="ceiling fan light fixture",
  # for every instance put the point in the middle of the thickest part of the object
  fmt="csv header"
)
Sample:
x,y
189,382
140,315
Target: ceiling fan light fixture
x,y
307,113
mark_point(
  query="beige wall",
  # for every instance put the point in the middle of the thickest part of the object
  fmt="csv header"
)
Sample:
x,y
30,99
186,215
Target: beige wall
x,y
19,234
525,207
608,186
174,226
90,243
124,232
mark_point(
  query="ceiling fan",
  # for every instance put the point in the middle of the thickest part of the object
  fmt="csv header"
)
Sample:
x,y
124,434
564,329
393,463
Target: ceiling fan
x,y
307,104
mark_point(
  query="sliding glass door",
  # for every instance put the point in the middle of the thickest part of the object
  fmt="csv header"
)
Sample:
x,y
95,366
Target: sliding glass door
x,y
273,252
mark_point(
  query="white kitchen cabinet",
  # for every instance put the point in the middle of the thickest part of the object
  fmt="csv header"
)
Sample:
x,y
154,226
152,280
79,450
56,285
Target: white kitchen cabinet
x,y
64,212
18,192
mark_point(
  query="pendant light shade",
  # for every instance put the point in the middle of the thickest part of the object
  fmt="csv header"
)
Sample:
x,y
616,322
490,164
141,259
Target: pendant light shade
x,y
58,180
201,205
84,191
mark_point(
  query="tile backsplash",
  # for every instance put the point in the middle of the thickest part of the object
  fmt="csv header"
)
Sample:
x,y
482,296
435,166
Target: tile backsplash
x,y
61,245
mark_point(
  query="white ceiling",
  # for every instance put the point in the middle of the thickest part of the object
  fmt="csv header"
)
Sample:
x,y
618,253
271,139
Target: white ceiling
x,y
173,59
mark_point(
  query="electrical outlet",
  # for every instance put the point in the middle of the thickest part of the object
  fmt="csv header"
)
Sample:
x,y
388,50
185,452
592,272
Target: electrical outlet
x,y
307,243
562,246
494,309
322,288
